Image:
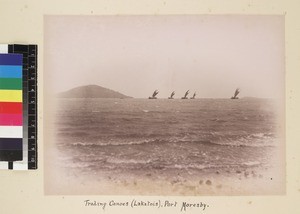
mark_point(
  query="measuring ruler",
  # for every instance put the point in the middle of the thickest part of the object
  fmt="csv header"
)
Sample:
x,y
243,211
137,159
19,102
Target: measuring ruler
x,y
30,113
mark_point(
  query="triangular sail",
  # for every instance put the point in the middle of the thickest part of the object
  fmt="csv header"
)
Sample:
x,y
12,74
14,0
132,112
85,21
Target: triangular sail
x,y
194,95
173,93
235,96
185,95
154,95
237,91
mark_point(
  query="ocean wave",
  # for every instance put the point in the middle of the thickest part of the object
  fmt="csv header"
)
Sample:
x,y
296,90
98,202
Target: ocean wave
x,y
127,161
251,163
191,166
123,163
114,143
254,140
216,166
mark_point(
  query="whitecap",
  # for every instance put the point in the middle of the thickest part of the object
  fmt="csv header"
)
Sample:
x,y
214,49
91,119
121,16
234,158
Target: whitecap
x,y
251,163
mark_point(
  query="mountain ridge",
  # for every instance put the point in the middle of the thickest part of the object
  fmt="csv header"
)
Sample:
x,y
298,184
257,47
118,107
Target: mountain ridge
x,y
91,91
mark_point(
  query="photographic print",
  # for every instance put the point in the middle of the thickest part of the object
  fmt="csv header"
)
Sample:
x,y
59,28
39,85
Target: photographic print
x,y
164,105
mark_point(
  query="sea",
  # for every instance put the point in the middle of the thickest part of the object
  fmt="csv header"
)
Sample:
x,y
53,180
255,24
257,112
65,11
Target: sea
x,y
164,137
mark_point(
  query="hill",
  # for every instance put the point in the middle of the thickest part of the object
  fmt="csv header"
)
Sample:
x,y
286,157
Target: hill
x,y
91,91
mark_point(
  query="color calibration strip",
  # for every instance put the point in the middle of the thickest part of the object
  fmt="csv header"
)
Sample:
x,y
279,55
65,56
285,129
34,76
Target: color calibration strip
x,y
29,97
29,53
11,108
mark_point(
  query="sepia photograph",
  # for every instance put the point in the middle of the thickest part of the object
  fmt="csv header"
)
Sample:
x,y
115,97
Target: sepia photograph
x,y
180,105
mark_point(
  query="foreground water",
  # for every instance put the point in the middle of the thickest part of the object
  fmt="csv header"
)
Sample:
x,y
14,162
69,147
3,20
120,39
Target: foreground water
x,y
174,140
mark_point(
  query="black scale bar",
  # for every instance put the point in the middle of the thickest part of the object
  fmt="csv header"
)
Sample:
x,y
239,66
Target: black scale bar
x,y
29,98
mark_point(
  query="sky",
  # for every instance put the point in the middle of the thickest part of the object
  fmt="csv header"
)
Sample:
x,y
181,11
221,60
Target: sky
x,y
134,55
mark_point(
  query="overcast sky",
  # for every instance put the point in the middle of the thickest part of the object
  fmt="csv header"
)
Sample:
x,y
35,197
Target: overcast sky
x,y
212,55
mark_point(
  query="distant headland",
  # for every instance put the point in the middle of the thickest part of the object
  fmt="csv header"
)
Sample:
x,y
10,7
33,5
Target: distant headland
x,y
91,91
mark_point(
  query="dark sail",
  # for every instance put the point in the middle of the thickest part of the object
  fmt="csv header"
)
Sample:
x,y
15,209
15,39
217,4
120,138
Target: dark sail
x,y
236,93
194,95
154,95
172,94
186,93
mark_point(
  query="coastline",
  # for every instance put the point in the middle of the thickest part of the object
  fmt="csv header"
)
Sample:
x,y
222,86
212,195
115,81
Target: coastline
x,y
251,181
